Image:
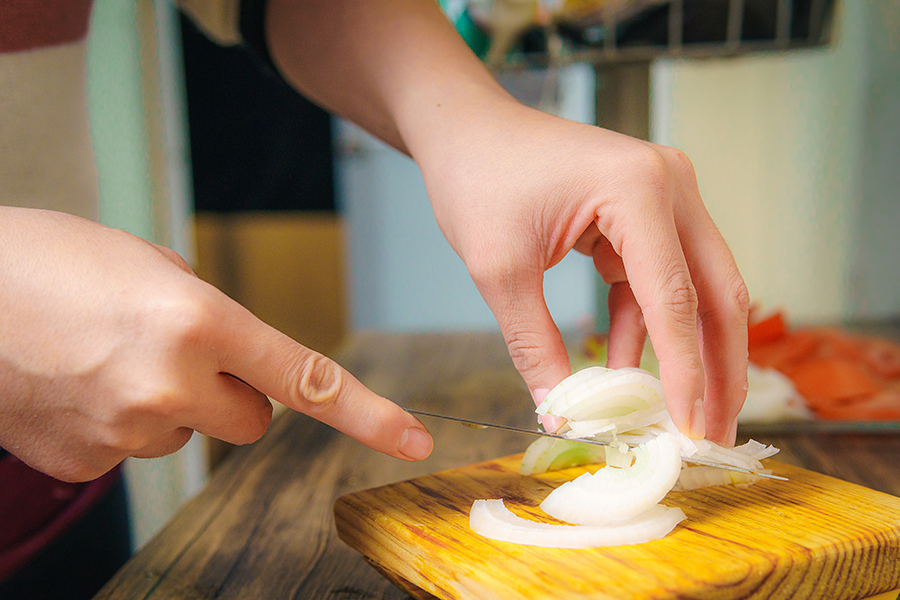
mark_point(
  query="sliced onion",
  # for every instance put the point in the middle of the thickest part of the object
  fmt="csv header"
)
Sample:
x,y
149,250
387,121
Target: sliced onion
x,y
549,454
629,422
712,451
612,494
619,456
619,503
601,393
493,520
771,396
693,478
756,450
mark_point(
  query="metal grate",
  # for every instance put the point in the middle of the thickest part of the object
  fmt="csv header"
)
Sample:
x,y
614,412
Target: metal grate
x,y
680,28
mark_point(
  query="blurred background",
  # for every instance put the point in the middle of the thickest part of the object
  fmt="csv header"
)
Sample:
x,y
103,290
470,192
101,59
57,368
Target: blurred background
x,y
790,112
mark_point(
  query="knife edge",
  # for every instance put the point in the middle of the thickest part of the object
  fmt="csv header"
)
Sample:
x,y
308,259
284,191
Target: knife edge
x,y
540,432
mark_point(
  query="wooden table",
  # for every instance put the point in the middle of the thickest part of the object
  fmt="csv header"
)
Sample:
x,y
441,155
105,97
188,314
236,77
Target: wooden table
x,y
263,528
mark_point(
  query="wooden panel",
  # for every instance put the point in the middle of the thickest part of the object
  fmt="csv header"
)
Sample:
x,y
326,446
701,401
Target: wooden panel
x,y
813,537
287,268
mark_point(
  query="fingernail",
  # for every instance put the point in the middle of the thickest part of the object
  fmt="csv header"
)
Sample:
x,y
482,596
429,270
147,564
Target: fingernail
x,y
552,423
732,434
539,394
415,444
698,420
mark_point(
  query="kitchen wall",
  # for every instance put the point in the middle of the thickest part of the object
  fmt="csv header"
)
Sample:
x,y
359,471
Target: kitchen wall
x,y
798,160
797,157
403,274
136,110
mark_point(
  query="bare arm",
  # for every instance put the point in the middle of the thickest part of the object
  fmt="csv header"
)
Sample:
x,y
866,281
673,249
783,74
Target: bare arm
x,y
110,347
395,67
514,190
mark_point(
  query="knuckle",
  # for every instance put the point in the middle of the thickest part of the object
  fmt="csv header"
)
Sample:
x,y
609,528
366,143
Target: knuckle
x,y
188,319
735,302
489,272
661,168
175,258
134,421
739,296
178,439
177,317
653,170
263,419
319,382
680,162
680,298
125,433
165,444
525,350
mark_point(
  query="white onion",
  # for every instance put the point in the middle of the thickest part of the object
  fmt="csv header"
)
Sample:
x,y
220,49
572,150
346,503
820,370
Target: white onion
x,y
601,393
693,478
548,453
613,494
619,503
492,519
634,420
756,450
771,396
619,456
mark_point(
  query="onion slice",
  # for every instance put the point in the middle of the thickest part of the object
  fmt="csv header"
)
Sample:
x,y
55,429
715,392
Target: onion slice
x,y
601,393
771,396
693,478
618,494
619,504
611,426
491,519
550,454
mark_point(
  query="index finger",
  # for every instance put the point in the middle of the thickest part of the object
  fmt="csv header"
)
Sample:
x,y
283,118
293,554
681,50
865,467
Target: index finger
x,y
315,385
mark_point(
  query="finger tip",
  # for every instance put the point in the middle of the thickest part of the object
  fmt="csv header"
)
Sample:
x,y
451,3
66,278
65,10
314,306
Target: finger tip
x,y
697,421
552,423
727,436
539,394
415,444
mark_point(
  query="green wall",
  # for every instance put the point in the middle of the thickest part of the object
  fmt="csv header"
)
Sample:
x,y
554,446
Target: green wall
x,y
117,118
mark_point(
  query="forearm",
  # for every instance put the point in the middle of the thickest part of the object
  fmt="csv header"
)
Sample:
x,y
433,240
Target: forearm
x,y
397,68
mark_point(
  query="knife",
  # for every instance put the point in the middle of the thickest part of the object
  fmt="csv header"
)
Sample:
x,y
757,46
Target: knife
x,y
482,425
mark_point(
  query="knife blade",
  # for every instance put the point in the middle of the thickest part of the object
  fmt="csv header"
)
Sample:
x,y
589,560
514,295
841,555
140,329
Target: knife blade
x,y
483,425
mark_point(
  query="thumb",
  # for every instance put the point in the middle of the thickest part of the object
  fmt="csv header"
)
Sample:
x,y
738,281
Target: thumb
x,y
533,339
315,385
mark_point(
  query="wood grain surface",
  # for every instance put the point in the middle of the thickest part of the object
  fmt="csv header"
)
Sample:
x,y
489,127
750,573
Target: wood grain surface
x,y
814,537
264,527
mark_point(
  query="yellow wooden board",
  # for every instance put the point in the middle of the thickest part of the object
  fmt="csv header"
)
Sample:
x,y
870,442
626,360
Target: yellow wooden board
x,y
814,537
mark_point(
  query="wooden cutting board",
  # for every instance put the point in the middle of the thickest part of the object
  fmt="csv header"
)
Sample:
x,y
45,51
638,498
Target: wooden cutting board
x,y
812,537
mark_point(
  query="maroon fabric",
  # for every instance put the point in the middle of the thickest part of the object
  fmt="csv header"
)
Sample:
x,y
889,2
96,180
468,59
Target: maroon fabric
x,y
30,24
36,509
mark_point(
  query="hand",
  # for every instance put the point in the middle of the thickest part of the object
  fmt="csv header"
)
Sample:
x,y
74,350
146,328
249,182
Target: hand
x,y
514,190
110,347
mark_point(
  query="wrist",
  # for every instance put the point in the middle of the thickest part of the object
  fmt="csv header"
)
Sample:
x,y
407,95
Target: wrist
x,y
441,126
